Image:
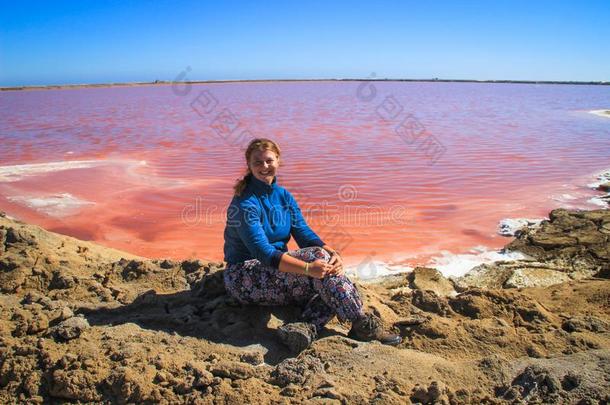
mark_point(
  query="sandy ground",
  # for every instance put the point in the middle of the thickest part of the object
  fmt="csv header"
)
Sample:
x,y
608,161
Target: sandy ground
x,y
87,324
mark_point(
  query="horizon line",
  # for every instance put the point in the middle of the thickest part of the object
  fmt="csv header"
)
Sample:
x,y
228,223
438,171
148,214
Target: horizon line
x,y
169,82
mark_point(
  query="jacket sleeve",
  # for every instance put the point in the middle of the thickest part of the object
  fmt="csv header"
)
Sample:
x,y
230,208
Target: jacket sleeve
x,y
302,233
251,232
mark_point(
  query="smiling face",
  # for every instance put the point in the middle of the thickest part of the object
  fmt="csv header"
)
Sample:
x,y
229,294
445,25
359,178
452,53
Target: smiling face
x,y
264,165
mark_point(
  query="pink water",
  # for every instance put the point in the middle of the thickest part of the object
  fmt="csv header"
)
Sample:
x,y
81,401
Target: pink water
x,y
158,177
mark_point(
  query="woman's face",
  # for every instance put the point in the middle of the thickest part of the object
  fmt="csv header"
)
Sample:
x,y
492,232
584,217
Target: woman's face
x,y
264,165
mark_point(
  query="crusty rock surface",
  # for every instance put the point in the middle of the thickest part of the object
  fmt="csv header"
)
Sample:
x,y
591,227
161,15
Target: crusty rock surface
x,y
571,245
84,324
427,279
576,241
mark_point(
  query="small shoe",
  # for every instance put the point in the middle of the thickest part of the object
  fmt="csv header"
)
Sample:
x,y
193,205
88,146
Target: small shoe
x,y
370,327
298,336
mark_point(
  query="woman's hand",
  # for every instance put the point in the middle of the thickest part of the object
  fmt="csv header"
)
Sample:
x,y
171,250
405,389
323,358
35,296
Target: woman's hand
x,y
321,269
335,260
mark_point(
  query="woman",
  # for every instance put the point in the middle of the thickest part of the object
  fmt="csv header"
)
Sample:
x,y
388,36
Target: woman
x,y
260,221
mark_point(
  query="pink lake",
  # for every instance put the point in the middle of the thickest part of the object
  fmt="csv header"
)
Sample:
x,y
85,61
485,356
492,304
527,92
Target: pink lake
x,y
397,173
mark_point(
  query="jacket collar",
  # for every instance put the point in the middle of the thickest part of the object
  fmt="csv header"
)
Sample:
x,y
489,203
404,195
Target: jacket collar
x,y
261,187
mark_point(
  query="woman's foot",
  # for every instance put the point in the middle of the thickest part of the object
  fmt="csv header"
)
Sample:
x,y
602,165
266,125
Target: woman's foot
x,y
370,327
298,336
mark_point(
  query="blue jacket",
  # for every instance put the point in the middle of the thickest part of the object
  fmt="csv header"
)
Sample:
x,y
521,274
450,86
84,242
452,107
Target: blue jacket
x,y
260,222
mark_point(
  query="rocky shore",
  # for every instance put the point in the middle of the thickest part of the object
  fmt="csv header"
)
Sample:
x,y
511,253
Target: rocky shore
x,y
83,323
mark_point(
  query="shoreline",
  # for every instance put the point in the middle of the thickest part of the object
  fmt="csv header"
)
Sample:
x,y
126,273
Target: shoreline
x,y
601,113
450,263
169,83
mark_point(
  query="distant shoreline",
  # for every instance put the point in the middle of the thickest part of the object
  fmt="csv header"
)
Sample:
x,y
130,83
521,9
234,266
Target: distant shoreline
x,y
601,113
166,83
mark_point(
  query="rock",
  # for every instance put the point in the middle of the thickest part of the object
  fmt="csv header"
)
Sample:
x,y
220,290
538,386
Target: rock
x,y
596,216
575,240
166,264
430,302
29,322
190,266
20,320
591,238
206,284
203,379
34,297
2,239
254,358
71,328
516,274
582,324
435,393
12,277
427,279
134,269
547,241
61,281
127,386
39,323
570,381
74,385
412,320
399,293
65,313
15,236
535,352
232,370
327,393
490,276
472,304
290,390
533,277
534,383
297,370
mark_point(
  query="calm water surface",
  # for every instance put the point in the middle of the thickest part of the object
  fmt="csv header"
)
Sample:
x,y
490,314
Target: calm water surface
x,y
150,169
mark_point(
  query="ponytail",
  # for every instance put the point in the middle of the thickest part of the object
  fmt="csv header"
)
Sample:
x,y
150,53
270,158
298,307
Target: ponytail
x,y
241,184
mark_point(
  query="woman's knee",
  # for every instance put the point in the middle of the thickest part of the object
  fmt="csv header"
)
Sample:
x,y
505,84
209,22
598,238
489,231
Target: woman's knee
x,y
310,254
320,254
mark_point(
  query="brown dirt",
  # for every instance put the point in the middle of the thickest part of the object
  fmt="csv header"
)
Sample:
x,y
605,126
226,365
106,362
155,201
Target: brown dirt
x,y
83,323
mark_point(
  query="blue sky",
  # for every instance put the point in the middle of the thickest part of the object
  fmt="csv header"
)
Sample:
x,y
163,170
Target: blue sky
x,y
56,42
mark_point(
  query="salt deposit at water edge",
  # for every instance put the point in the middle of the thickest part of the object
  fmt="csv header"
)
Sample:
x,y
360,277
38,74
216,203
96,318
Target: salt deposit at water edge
x,y
509,226
602,183
601,178
456,265
18,172
55,205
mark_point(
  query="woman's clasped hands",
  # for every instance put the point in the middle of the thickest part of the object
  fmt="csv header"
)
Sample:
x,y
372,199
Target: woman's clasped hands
x,y
320,269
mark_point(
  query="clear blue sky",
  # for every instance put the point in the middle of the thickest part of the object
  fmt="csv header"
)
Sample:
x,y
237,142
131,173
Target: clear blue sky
x,y
55,42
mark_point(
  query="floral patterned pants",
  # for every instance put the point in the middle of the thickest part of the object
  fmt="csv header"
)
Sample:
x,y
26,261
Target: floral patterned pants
x,y
251,282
